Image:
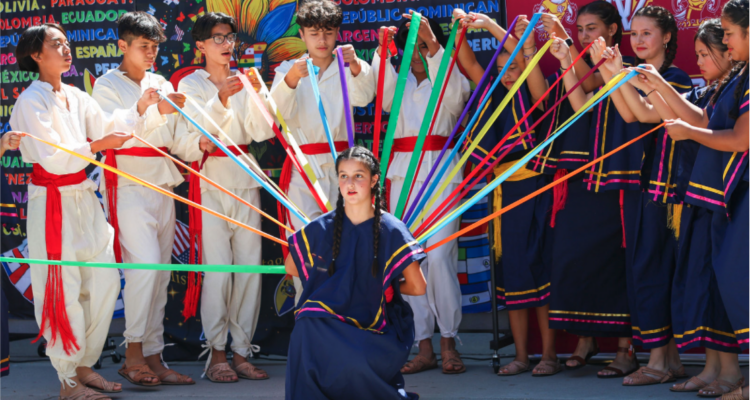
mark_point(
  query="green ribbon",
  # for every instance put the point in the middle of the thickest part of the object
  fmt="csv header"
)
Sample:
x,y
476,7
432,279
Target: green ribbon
x,y
426,120
426,67
403,73
237,269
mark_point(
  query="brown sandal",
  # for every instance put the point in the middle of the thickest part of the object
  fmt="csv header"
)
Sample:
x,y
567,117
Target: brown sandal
x,y
221,370
581,361
86,394
514,368
555,365
618,373
419,363
452,358
736,394
250,372
141,371
682,387
649,376
101,385
717,387
181,379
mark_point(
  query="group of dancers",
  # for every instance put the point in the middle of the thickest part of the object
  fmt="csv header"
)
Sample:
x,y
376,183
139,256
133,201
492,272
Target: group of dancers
x,y
648,245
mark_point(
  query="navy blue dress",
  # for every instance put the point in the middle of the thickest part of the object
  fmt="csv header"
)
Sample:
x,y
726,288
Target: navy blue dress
x,y
729,231
523,273
699,318
588,260
348,342
651,246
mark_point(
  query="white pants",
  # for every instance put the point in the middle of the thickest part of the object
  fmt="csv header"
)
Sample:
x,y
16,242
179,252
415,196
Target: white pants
x,y
147,223
90,293
443,298
231,302
301,196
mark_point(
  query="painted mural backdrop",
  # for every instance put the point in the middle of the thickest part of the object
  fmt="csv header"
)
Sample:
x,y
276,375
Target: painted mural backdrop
x,y
268,36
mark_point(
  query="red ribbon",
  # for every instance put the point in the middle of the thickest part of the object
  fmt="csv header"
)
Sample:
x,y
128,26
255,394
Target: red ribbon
x,y
53,310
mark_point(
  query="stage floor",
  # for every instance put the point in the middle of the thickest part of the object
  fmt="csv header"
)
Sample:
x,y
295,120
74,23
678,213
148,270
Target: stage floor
x,y
33,378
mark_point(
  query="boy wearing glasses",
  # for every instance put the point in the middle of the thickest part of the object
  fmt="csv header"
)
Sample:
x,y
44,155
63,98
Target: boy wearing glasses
x,y
143,220
230,302
319,22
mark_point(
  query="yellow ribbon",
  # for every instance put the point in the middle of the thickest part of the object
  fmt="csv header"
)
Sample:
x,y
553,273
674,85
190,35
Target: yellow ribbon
x,y
520,175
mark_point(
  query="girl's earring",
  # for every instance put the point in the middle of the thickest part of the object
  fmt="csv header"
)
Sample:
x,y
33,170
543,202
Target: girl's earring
x,y
665,45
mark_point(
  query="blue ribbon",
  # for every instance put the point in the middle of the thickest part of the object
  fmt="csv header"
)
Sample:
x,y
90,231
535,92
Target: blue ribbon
x,y
313,71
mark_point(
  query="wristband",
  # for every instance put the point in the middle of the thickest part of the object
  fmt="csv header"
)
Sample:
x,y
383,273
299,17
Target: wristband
x,y
649,93
569,42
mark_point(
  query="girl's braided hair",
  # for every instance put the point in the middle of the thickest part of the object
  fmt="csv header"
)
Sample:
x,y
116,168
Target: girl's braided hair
x,y
667,24
368,159
736,12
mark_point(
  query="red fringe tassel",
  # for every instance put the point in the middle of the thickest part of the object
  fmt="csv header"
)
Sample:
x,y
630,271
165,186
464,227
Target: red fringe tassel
x,y
559,194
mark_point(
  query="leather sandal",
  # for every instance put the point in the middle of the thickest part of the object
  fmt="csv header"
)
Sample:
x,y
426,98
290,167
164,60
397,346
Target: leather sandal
x,y
141,372
583,361
96,382
717,388
736,394
86,394
221,370
452,358
181,379
551,368
649,376
698,384
419,363
618,373
514,367
250,372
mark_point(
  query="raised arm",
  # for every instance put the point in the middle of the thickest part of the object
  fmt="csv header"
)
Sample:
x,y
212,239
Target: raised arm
x,y
666,95
561,51
536,82
609,69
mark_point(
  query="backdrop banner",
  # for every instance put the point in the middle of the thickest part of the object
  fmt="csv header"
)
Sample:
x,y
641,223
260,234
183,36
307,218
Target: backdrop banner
x,y
268,35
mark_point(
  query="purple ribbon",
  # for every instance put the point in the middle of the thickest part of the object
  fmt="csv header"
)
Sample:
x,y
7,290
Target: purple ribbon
x,y
345,91
458,124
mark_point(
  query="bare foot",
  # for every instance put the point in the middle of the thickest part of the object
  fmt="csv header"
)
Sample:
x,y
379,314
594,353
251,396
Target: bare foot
x,y
623,361
154,362
133,357
84,372
584,347
218,357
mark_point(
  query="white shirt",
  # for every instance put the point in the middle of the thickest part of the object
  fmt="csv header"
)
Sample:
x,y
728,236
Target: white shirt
x,y
115,93
40,112
241,120
300,110
413,107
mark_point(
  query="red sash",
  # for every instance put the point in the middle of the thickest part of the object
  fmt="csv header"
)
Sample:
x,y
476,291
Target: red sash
x,y
111,179
286,177
195,230
407,145
53,310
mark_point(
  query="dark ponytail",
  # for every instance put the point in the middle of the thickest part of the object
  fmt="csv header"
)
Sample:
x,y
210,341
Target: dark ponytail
x,y
667,24
609,15
366,157
736,12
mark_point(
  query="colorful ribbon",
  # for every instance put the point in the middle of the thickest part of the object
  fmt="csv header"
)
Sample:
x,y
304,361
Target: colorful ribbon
x,y
498,111
379,98
345,92
442,208
312,70
610,87
236,269
161,190
295,155
403,74
440,81
530,196
422,200
288,204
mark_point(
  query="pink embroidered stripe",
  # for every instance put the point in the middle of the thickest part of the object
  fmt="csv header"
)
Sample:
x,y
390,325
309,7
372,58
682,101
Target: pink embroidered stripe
x,y
596,143
319,310
395,267
583,160
528,300
661,166
707,339
651,340
734,173
6,214
299,255
628,181
706,199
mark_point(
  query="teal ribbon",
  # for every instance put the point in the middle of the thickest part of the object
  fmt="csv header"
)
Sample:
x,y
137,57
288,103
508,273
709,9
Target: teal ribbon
x,y
313,71
403,74
426,120
237,269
